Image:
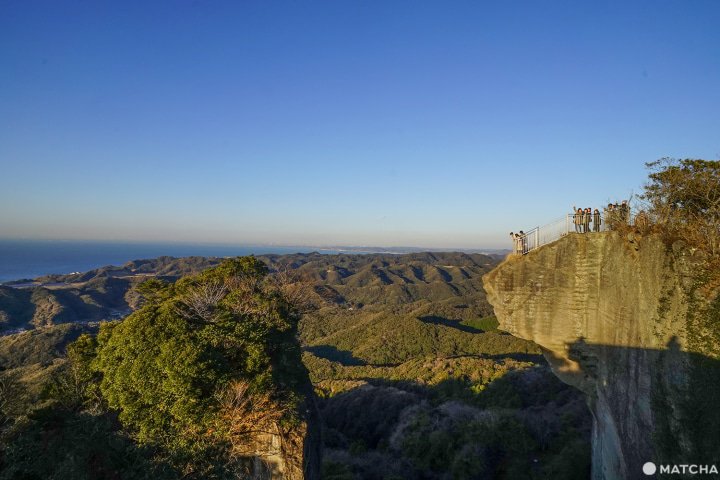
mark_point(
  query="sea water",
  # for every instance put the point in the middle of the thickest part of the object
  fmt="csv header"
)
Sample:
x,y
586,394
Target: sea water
x,y
21,259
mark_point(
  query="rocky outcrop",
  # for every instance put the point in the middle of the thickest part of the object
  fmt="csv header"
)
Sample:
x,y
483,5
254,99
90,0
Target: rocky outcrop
x,y
289,453
611,313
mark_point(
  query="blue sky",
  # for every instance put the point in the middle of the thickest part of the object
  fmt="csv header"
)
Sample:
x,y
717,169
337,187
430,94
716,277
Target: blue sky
x,y
438,124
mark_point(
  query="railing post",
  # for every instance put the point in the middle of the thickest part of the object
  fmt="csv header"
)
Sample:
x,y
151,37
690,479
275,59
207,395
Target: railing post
x,y
537,237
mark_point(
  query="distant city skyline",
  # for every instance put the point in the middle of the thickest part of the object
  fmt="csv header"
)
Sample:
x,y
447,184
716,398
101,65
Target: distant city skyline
x,y
342,123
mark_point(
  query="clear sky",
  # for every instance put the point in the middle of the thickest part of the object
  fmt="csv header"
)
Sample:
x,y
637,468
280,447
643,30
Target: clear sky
x,y
438,124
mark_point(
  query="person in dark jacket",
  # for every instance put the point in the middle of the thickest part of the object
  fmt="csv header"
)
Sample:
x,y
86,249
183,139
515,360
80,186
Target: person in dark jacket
x,y
597,221
587,214
625,209
610,216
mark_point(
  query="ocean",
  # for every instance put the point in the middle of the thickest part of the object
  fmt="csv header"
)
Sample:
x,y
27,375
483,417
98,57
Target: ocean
x,y
33,258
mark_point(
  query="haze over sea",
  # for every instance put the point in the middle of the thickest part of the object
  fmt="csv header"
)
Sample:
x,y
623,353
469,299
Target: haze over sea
x,y
21,259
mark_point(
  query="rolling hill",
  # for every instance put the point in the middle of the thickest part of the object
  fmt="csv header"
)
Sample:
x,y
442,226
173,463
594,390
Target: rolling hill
x,y
393,345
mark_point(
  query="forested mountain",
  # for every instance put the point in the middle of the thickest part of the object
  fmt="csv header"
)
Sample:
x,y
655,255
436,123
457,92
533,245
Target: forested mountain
x,y
411,377
107,293
205,376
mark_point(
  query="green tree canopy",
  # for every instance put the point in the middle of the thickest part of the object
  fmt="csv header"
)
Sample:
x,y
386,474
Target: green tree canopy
x,y
166,367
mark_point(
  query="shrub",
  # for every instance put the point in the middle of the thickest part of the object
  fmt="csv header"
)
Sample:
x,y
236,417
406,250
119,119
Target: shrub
x,y
684,200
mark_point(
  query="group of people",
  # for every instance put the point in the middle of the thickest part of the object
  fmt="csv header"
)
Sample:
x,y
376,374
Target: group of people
x,y
583,217
617,213
613,214
519,242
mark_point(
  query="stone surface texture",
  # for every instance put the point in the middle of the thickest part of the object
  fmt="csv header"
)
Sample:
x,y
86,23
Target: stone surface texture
x,y
609,311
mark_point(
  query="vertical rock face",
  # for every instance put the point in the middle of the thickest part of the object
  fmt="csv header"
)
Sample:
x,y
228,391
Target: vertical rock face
x,y
269,440
289,454
610,313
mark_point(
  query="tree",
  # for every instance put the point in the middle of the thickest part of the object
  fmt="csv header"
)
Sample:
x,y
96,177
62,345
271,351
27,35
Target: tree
x,y
170,367
684,200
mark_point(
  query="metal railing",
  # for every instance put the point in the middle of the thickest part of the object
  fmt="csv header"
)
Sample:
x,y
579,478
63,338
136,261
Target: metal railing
x,y
555,230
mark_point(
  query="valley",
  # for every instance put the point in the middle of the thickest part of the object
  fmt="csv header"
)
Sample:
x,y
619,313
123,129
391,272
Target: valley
x,y
403,353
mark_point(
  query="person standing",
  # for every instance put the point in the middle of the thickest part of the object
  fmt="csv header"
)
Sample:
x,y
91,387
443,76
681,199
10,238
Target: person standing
x,y
518,239
597,221
577,219
625,209
612,216
523,243
587,213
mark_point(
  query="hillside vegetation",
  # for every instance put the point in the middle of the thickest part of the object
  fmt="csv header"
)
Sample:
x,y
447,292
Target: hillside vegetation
x,y
415,382
412,378
182,387
103,294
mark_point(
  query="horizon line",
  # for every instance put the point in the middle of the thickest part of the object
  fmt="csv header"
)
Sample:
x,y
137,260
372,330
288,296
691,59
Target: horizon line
x,y
338,247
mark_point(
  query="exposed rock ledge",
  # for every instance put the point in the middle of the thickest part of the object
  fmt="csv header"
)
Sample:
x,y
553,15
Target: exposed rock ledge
x,y
291,453
610,313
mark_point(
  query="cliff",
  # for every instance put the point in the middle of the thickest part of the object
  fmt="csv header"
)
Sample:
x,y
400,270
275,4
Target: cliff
x,y
286,452
615,316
